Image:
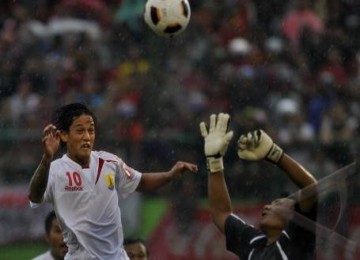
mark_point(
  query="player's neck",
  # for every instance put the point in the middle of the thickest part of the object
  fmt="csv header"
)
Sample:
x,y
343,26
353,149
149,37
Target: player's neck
x,y
272,236
83,162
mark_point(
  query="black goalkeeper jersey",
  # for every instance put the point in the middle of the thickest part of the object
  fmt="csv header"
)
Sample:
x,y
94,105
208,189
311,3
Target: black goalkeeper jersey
x,y
295,242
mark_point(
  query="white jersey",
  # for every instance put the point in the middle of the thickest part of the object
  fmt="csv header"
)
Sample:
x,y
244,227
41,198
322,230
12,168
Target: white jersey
x,y
45,256
86,204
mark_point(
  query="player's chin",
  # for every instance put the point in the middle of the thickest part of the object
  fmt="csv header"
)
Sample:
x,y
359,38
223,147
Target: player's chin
x,y
63,250
263,224
85,152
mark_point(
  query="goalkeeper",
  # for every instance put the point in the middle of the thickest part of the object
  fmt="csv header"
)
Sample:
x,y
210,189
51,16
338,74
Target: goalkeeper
x,y
281,234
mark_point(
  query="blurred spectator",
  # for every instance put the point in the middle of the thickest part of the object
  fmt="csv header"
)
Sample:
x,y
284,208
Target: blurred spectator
x,y
300,16
136,248
24,105
333,67
130,13
336,132
239,18
320,96
54,238
292,128
96,10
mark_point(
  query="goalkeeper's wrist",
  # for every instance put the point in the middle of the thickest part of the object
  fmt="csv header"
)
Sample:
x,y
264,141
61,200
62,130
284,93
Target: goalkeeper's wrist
x,y
275,153
214,164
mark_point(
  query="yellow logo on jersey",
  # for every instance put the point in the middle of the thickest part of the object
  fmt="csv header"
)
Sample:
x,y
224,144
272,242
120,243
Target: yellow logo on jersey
x,y
110,181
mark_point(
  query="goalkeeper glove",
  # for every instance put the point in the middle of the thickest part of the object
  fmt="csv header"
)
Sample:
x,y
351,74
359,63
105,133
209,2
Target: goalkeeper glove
x,y
258,145
216,141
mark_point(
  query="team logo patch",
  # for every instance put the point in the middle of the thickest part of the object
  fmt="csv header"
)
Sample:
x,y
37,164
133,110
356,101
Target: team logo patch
x,y
110,181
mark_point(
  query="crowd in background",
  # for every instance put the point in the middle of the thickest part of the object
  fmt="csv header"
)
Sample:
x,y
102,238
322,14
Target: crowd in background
x,y
290,67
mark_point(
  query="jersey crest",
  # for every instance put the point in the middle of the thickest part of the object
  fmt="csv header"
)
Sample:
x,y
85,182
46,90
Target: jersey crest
x,y
110,181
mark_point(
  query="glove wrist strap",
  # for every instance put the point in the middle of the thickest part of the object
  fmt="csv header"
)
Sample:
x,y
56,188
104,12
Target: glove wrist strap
x,y
274,154
214,164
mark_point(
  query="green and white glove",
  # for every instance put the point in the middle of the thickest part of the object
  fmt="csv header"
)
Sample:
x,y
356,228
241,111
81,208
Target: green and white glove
x,y
257,145
216,141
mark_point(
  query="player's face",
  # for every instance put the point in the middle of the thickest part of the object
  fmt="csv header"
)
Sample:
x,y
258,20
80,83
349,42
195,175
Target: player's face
x,y
136,251
56,241
80,139
276,215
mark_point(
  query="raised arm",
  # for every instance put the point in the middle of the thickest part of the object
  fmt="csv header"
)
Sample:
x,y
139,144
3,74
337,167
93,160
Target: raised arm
x,y
257,145
217,140
38,182
155,180
302,178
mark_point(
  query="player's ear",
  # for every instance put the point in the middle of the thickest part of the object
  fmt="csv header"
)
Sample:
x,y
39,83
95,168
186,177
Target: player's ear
x,y
64,136
46,237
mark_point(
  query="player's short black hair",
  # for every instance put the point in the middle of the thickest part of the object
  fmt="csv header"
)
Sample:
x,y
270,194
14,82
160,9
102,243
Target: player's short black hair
x,y
48,221
135,240
65,115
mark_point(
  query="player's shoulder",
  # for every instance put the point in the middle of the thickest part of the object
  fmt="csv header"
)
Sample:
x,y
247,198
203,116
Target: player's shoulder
x,y
57,162
235,222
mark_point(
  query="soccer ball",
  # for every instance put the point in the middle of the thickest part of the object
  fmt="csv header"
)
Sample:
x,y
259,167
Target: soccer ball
x,y
167,18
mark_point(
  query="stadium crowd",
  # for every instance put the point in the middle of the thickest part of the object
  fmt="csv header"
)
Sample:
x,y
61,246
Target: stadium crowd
x,y
289,67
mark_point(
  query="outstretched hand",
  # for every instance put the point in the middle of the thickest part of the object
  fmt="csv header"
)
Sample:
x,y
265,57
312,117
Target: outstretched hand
x,y
50,141
153,181
257,145
216,140
180,168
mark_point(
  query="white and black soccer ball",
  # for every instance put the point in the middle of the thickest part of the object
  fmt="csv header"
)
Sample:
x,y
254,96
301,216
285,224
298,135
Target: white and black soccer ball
x,y
167,18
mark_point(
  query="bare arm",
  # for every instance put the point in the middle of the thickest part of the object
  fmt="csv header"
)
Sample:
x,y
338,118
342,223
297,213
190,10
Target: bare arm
x,y
258,145
155,180
38,182
302,178
220,202
217,139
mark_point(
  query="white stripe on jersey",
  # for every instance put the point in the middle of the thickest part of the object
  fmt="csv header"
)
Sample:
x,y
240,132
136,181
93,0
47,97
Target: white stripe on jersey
x,y
237,217
282,253
252,251
286,234
256,238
